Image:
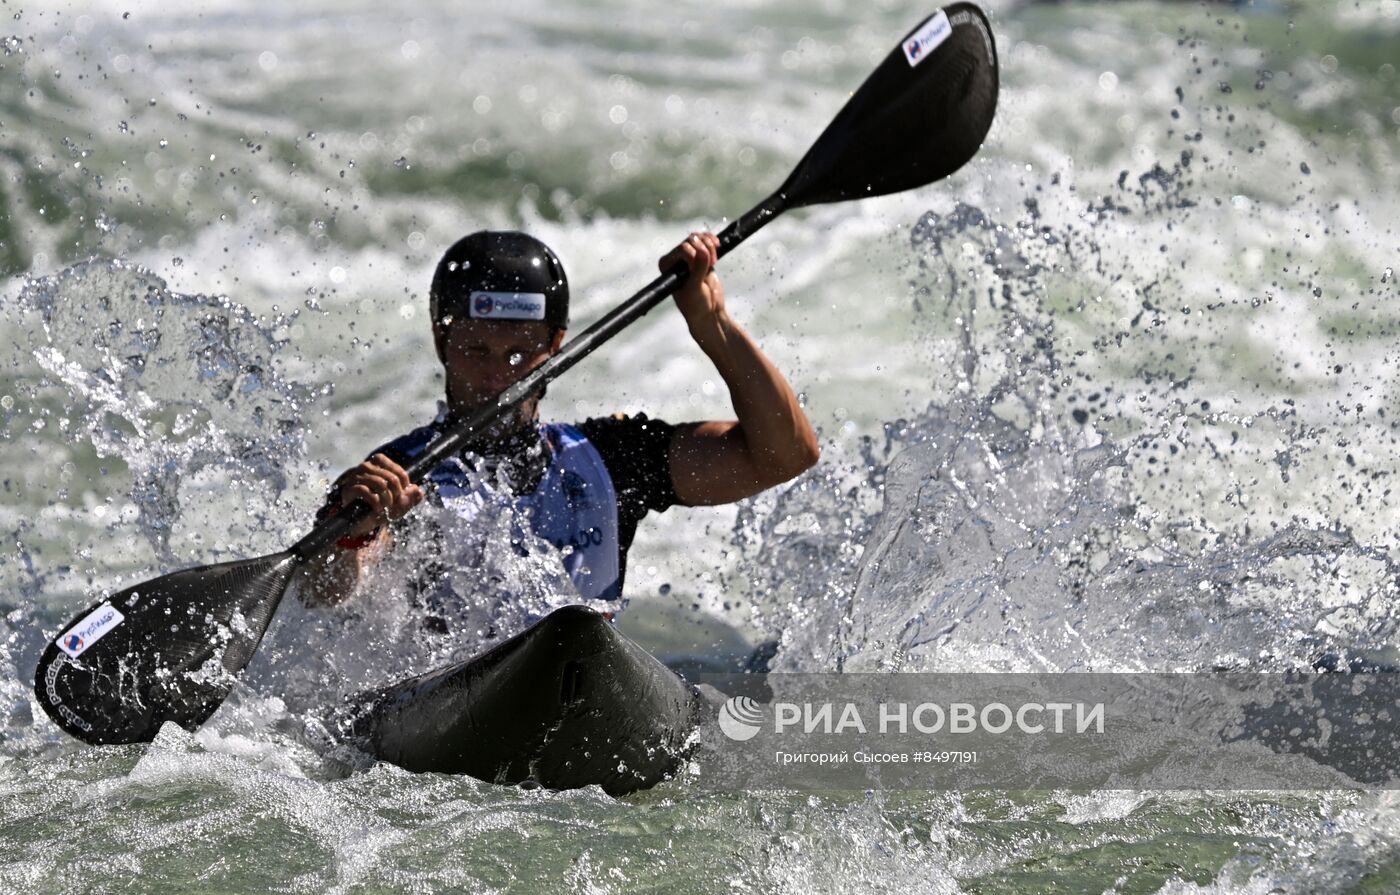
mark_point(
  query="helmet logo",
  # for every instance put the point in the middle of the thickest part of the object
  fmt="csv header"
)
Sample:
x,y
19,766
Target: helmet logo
x,y
507,305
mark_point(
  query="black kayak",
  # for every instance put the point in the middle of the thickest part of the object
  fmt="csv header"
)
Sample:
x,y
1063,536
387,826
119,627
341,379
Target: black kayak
x,y
570,702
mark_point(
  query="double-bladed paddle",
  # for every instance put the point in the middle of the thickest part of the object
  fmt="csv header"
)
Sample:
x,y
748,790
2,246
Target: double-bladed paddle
x,y
167,649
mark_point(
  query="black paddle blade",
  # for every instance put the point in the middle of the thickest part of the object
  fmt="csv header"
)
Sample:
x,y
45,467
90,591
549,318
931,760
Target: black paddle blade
x,y
919,117
165,650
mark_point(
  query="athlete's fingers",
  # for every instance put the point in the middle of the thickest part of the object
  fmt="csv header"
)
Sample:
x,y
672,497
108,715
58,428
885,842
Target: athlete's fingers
x,y
683,252
365,482
367,472
393,472
699,250
405,500
372,488
371,497
394,494
385,462
699,256
701,264
711,242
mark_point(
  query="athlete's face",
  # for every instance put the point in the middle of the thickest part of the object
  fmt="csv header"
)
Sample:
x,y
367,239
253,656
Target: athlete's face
x,y
484,357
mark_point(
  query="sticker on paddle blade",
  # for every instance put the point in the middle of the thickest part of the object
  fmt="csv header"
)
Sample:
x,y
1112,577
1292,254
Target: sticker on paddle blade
x,y
91,629
926,39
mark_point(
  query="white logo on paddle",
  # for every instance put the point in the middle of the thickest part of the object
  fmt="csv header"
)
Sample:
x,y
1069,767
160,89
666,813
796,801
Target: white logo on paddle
x,y
740,718
91,629
927,38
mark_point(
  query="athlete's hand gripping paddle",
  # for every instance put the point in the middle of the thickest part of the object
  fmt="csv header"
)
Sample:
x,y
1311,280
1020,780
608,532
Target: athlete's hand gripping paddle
x,y
167,650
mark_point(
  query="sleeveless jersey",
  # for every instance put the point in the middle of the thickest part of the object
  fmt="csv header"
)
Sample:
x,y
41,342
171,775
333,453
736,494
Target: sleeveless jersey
x,y
574,507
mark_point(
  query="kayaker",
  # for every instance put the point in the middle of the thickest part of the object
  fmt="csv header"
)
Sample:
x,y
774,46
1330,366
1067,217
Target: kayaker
x,y
499,307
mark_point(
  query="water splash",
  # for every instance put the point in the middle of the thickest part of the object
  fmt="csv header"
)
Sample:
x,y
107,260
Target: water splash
x,y
183,390
449,588
1053,513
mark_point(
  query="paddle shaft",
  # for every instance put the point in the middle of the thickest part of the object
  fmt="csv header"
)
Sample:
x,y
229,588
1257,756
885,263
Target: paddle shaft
x,y
454,438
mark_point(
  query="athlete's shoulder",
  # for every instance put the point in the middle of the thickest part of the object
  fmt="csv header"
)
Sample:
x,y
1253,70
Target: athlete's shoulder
x,y
625,440
622,422
636,450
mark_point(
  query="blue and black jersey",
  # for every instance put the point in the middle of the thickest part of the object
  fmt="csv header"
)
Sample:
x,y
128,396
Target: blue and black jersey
x,y
599,479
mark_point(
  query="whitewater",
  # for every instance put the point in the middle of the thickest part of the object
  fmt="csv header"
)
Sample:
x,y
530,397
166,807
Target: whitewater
x,y
1121,395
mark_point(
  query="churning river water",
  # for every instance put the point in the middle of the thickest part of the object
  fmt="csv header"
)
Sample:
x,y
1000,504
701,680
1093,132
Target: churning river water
x,y
1121,395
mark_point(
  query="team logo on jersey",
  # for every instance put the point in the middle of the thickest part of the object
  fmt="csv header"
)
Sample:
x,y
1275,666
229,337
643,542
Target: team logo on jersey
x,y
575,489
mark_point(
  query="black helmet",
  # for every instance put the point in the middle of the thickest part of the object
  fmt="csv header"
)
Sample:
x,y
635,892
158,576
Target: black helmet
x,y
500,275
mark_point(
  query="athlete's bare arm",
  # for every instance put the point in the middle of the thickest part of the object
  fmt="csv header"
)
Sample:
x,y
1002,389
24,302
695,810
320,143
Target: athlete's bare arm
x,y
384,485
721,461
